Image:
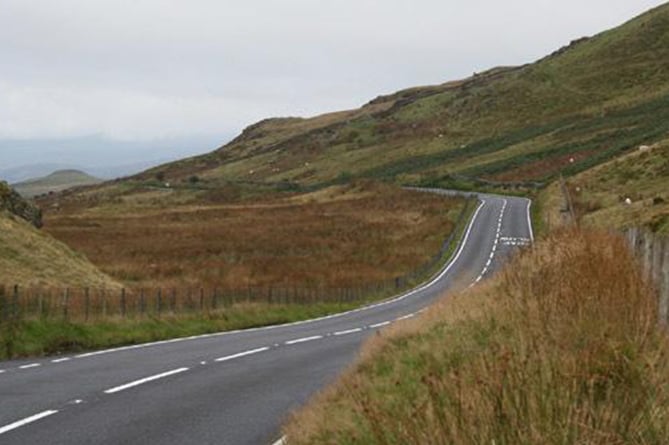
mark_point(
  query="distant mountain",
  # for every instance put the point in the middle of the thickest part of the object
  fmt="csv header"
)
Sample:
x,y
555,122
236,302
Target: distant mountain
x,y
55,182
100,156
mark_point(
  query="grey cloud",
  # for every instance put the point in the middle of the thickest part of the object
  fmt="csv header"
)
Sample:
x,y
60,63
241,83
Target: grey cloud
x,y
143,69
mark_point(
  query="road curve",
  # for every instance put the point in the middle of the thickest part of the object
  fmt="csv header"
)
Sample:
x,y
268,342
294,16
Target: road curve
x,y
230,388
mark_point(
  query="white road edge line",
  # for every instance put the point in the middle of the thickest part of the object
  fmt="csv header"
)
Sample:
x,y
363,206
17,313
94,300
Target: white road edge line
x,y
145,380
242,354
281,441
529,219
26,421
379,325
405,317
350,331
32,365
303,340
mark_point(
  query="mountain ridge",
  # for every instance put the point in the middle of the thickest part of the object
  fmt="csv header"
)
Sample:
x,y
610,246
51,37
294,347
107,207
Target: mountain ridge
x,y
588,101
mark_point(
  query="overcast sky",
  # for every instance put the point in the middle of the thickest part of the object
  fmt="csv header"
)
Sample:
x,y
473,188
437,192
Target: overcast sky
x,y
147,69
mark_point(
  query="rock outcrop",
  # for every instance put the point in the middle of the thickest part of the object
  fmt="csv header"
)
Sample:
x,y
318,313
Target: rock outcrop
x,y
13,202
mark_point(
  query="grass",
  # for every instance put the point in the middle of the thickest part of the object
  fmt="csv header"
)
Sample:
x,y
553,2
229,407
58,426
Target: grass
x,y
599,194
35,337
343,236
30,257
562,347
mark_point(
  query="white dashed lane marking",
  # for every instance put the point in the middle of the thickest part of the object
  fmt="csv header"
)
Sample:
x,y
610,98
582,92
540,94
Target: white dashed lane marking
x,y
379,325
350,331
26,421
242,354
32,365
145,380
303,340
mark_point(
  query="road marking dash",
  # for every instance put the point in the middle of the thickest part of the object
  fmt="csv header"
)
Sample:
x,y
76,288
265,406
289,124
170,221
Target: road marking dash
x,y
26,421
350,331
379,325
32,365
145,380
304,340
405,317
61,360
242,354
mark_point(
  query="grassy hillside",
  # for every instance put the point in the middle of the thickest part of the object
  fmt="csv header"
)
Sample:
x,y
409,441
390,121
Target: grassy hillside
x,y
590,101
55,182
562,348
600,194
29,257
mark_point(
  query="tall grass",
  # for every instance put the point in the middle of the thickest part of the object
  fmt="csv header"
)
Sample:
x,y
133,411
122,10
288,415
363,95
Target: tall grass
x,y
563,347
338,237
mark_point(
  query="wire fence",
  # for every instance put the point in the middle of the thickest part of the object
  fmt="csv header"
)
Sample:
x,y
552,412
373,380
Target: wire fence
x,y
93,304
652,250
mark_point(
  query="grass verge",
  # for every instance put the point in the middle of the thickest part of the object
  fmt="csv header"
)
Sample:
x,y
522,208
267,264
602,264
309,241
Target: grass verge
x,y
39,337
562,347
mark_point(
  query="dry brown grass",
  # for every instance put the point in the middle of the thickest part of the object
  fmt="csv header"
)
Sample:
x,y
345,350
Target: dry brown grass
x,y
562,348
341,237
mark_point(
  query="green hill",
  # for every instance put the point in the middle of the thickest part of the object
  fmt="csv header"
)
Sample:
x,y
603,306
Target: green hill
x,y
30,257
629,191
584,104
55,182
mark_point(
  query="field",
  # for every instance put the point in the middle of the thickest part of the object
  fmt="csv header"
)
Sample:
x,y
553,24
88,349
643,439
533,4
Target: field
x,y
196,261
562,347
342,236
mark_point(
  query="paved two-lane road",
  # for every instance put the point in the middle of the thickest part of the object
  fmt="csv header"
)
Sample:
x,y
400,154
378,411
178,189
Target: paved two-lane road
x,y
231,388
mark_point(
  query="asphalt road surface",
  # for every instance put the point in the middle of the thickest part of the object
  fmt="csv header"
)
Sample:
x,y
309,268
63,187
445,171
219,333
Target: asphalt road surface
x,y
229,388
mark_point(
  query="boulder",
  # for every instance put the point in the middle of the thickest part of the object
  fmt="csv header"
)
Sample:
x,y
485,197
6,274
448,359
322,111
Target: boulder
x,y
12,202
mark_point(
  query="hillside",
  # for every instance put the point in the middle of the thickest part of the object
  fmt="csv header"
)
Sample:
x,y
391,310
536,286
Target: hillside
x,y
589,101
55,182
600,195
29,257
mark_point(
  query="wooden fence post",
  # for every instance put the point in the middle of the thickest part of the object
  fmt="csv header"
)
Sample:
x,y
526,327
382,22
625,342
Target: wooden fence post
x,y
663,283
66,304
123,302
87,304
142,302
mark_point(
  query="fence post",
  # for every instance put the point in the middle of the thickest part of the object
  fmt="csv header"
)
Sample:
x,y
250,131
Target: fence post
x,y
123,302
104,303
663,283
142,302
87,304
66,303
3,306
159,305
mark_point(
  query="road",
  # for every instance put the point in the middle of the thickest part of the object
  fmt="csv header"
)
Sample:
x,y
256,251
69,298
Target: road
x,y
229,388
